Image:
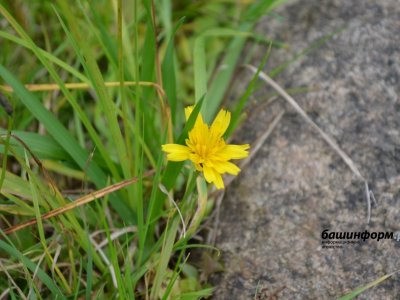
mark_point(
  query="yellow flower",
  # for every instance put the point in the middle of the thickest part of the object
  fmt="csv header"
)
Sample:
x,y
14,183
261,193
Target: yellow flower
x,y
207,149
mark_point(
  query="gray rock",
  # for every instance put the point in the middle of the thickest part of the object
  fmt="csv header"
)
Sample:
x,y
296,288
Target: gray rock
x,y
273,215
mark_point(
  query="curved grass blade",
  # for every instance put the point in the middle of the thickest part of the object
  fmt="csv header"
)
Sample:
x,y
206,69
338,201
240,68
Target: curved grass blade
x,y
362,289
168,73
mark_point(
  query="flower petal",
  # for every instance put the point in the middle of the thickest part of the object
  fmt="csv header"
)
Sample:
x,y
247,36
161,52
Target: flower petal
x,y
188,111
208,173
221,123
225,167
199,134
200,131
218,182
176,152
232,152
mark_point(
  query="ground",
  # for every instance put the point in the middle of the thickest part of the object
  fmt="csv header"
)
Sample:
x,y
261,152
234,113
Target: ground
x,y
272,216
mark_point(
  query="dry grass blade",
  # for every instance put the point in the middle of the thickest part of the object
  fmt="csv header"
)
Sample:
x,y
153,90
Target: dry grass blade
x,y
82,86
15,286
171,199
116,234
107,261
302,113
261,140
5,293
79,202
349,162
31,290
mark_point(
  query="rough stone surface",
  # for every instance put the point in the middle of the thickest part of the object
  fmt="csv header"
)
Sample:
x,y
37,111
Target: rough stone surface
x,y
273,215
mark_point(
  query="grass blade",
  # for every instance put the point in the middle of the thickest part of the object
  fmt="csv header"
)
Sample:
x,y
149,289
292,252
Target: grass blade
x,y
362,289
168,73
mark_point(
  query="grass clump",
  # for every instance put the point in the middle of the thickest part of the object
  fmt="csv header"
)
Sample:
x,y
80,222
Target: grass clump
x,y
90,90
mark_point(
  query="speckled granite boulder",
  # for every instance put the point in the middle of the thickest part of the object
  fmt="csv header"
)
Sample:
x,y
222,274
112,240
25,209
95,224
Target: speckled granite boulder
x,y
273,215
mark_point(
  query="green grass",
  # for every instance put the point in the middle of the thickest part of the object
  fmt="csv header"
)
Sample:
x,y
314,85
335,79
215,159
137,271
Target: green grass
x,y
353,294
60,145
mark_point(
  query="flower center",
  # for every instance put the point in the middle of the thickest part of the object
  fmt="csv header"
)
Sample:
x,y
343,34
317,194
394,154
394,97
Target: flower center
x,y
202,151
